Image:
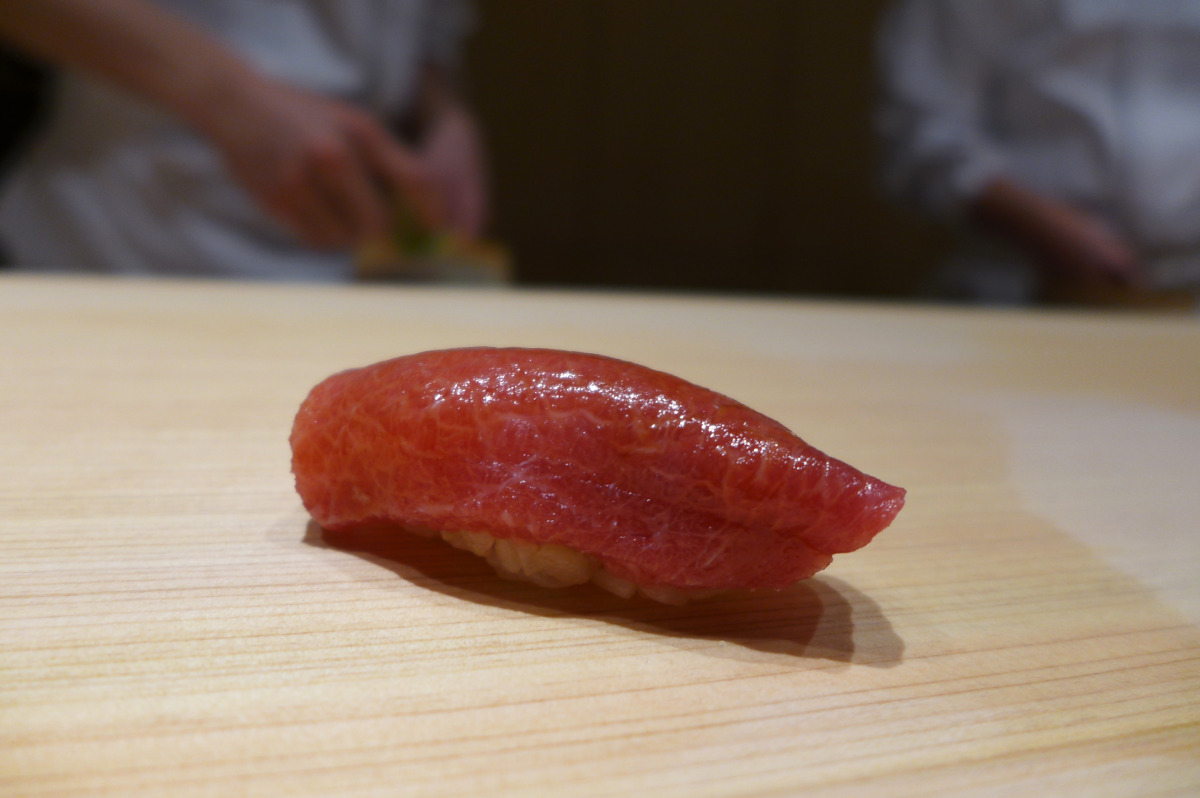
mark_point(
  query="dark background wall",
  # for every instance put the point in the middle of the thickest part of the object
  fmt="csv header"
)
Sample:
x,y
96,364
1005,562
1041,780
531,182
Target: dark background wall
x,y
701,144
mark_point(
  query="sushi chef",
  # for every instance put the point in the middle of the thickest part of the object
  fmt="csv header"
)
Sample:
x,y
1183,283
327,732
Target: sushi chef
x,y
1063,134
237,137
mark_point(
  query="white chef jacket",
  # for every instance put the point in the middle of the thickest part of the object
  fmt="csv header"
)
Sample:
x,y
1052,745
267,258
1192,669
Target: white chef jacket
x,y
1094,102
114,185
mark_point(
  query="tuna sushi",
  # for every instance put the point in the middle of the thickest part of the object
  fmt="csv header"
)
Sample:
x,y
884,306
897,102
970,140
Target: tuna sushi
x,y
563,467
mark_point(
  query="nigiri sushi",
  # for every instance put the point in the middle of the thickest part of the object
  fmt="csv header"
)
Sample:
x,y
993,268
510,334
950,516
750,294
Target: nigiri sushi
x,y
563,467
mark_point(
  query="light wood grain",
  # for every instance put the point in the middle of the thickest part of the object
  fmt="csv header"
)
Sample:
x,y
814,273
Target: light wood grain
x,y
171,624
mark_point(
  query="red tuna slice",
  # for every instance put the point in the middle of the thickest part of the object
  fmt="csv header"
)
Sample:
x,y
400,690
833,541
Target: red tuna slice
x,y
661,482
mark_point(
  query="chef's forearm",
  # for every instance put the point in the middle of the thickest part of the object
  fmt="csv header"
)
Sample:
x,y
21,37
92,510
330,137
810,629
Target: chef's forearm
x,y
1017,213
1061,239
1040,224
134,44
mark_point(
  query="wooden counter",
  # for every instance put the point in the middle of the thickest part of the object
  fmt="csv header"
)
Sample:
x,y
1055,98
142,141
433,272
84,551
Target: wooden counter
x,y
171,624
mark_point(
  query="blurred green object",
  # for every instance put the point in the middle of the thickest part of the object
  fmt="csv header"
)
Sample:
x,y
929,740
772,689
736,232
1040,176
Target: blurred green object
x,y
413,238
414,252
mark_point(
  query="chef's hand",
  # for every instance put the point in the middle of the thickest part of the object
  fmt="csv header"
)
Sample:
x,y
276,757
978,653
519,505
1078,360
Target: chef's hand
x,y
322,167
1081,250
451,156
1069,246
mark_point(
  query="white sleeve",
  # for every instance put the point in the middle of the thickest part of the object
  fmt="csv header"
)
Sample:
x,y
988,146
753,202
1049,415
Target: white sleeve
x,y
934,58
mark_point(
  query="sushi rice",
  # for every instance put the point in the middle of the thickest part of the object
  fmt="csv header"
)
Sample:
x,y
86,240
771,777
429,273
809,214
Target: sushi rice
x,y
552,565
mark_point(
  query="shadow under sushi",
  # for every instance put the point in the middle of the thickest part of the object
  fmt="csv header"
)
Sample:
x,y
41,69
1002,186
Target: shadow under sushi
x,y
819,618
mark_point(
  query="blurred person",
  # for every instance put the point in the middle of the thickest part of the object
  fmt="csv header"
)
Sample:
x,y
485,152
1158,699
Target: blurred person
x,y
238,137
1064,135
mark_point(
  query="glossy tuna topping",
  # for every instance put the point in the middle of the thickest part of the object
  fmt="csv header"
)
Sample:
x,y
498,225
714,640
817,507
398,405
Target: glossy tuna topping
x,y
644,478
